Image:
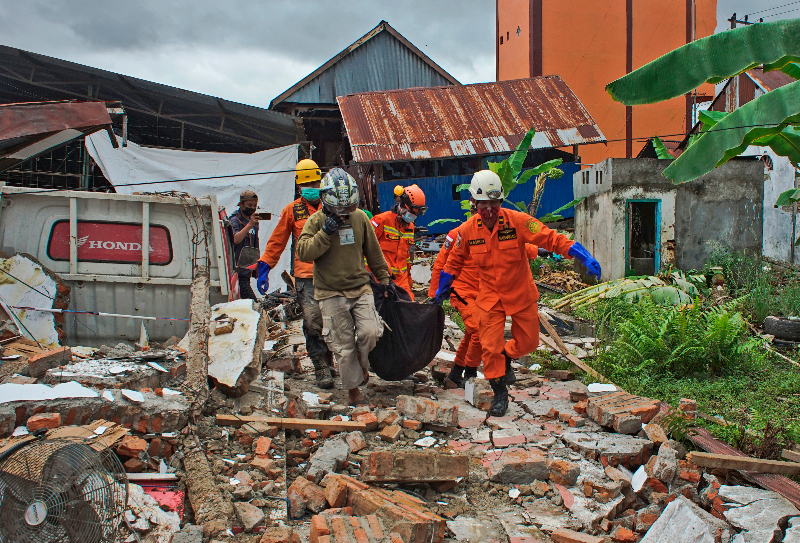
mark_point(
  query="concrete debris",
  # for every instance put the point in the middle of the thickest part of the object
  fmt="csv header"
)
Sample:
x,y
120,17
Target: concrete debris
x,y
684,522
473,529
413,467
760,514
235,357
153,523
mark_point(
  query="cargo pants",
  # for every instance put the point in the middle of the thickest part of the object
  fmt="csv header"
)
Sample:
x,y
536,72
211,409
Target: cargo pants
x,y
351,328
312,318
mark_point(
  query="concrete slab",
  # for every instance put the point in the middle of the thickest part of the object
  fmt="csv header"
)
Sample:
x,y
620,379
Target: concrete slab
x,y
234,359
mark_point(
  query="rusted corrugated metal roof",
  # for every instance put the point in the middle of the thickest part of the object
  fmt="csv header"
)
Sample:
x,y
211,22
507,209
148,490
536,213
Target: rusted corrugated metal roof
x,y
467,120
769,80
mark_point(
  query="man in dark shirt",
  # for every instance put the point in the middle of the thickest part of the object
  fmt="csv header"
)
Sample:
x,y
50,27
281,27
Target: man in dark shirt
x,y
244,231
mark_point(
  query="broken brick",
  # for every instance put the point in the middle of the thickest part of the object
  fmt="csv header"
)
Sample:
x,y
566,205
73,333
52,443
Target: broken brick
x,y
390,434
47,420
576,422
426,410
562,535
367,418
355,440
336,492
580,407
413,466
264,465
40,363
131,446
346,529
263,445
519,466
578,395
413,424
686,404
559,375
564,472
302,495
388,418
655,433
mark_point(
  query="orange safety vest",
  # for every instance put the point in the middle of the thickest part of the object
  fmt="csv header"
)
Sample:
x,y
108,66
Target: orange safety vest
x,y
502,257
396,239
290,223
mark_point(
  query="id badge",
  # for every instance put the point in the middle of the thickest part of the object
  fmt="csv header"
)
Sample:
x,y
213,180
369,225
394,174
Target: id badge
x,y
346,235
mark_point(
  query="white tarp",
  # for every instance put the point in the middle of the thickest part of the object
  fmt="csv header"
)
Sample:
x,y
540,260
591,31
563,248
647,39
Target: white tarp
x,y
126,166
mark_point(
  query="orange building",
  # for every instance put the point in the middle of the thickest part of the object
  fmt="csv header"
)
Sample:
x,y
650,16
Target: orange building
x,y
590,43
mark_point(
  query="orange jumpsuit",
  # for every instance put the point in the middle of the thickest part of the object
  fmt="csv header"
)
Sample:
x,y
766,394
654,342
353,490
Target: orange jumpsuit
x,y
396,238
466,286
506,283
290,223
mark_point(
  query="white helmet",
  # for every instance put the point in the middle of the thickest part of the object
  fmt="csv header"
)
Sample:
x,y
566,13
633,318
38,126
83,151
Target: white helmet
x,y
486,185
339,192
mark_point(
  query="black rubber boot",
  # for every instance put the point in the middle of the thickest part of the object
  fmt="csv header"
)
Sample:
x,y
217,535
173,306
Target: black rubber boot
x,y
322,372
509,377
500,400
456,375
331,366
469,373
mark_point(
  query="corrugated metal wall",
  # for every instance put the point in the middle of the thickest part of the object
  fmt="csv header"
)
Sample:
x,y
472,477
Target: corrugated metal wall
x,y
439,196
381,63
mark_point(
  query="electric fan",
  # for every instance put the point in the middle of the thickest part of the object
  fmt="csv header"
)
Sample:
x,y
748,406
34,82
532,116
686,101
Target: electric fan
x,y
60,491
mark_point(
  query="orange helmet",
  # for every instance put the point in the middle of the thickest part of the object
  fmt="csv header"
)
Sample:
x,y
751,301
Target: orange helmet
x,y
414,199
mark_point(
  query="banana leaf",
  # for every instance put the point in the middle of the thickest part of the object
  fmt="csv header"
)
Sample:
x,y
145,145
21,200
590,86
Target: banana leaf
x,y
788,197
517,158
766,116
784,143
661,150
462,186
442,221
668,294
711,59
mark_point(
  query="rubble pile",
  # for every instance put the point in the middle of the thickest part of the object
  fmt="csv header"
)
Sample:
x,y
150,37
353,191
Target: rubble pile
x,y
271,458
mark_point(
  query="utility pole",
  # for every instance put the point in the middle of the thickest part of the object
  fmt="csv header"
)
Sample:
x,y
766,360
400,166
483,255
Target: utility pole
x,y
745,22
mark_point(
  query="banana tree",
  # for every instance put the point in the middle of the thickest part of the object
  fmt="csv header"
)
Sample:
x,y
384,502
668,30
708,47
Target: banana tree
x,y
769,120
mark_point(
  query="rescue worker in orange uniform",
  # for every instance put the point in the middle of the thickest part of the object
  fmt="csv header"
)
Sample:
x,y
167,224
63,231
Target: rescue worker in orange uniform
x,y
464,292
290,224
395,231
495,240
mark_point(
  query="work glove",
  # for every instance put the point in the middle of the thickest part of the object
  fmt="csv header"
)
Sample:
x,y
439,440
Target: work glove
x,y
579,252
384,289
332,223
544,253
445,283
262,283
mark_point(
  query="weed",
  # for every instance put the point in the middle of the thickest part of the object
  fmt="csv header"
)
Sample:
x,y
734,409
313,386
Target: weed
x,y
454,315
678,427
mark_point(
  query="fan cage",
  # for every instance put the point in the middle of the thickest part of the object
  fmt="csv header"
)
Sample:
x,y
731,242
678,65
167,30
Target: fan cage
x,y
61,491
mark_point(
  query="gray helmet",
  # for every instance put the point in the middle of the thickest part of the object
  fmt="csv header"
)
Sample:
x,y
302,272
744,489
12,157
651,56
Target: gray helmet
x,y
339,192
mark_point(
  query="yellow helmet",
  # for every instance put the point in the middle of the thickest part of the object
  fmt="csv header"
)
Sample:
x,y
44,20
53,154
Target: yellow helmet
x,y
307,171
398,190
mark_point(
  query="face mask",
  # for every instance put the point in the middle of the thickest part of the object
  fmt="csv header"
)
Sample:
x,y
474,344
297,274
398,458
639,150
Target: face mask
x,y
489,214
408,217
246,211
312,195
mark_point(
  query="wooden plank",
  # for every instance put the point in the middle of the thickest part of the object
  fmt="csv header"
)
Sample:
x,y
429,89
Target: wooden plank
x,y
794,456
293,424
552,333
572,358
166,477
743,463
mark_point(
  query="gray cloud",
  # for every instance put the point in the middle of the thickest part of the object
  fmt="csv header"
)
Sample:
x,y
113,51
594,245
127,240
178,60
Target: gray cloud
x,y
252,51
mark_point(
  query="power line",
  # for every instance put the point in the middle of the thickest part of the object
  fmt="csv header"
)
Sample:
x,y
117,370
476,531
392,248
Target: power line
x,y
773,9
781,13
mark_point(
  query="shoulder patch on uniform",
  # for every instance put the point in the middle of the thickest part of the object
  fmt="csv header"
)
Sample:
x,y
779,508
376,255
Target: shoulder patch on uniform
x,y
375,224
458,240
448,242
534,226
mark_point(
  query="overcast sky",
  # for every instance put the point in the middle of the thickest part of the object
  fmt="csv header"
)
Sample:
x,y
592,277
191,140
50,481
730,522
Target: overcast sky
x,y
252,51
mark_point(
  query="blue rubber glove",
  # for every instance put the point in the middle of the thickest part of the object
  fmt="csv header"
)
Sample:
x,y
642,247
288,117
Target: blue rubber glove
x,y
445,283
585,257
262,283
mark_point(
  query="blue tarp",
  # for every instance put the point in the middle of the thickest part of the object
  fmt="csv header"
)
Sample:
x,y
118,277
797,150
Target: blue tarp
x,y
441,205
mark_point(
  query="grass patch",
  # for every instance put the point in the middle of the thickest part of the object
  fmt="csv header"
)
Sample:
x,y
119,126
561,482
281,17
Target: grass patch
x,y
703,352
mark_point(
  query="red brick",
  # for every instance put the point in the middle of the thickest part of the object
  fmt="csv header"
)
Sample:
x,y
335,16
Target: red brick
x,y
319,527
131,446
336,492
71,417
308,494
339,511
40,363
412,424
155,447
413,466
263,464
339,529
576,422
562,535
564,472
687,404
369,419
156,424
262,446
691,476
623,535
580,407
355,440
657,485
134,465
388,418
390,434
141,424
277,534
427,410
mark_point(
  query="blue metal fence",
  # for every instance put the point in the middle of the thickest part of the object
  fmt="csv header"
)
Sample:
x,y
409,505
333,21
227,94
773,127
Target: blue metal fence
x,y
441,205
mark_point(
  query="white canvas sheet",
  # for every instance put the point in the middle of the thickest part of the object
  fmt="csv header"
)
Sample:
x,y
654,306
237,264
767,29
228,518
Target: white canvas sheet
x,y
126,166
